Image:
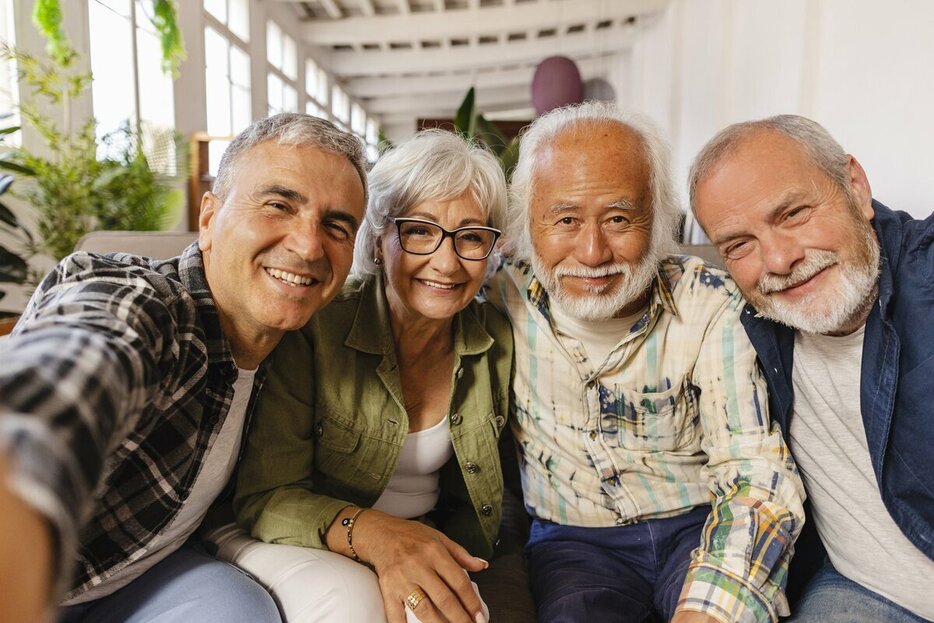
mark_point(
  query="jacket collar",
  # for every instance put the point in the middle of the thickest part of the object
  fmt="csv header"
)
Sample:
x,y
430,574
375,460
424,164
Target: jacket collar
x,y
371,331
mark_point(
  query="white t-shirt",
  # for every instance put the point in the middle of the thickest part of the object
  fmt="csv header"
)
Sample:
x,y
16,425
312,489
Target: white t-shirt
x,y
828,441
216,470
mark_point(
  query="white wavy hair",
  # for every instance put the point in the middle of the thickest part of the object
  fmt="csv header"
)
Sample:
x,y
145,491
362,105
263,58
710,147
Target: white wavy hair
x,y
666,212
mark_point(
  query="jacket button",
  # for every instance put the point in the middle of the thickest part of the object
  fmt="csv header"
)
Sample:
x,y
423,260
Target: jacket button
x,y
486,509
472,468
459,373
319,431
456,419
500,420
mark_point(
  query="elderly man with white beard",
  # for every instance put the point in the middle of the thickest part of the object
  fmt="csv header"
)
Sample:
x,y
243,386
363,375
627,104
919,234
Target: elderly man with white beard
x,y
656,483
840,290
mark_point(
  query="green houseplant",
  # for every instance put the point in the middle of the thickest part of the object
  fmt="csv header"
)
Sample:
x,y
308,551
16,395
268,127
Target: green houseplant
x,y
127,180
473,125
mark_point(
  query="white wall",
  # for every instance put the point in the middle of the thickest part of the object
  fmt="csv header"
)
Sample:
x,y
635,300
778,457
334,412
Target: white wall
x,y
862,68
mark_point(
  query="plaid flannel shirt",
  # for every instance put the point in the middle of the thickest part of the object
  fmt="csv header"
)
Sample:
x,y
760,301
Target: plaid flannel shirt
x,y
113,386
676,417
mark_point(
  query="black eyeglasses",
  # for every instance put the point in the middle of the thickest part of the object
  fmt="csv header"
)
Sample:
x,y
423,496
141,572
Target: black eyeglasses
x,y
421,237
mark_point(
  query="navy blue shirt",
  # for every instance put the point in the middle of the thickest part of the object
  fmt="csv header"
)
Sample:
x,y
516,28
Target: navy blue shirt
x,y
896,380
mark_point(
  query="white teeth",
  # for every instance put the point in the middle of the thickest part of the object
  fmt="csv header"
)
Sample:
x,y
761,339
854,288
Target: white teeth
x,y
290,278
440,286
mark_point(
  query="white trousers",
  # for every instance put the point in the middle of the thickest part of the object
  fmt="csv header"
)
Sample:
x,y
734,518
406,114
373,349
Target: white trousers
x,y
309,585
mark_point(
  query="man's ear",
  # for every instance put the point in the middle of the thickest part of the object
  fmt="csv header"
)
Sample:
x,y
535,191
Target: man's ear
x,y
859,186
210,204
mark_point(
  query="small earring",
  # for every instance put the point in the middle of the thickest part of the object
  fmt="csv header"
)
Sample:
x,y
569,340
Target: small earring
x,y
377,261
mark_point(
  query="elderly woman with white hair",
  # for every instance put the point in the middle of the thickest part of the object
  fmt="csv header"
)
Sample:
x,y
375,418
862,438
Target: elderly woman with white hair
x,y
371,470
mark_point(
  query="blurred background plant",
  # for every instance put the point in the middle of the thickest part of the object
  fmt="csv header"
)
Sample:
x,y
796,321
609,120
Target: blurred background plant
x,y
127,179
473,125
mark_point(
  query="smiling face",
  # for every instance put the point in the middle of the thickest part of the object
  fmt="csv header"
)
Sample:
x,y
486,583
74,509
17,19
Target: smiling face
x,y
591,221
800,247
278,247
438,285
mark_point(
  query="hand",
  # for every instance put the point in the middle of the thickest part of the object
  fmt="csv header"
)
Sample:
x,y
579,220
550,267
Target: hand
x,y
692,616
25,558
408,555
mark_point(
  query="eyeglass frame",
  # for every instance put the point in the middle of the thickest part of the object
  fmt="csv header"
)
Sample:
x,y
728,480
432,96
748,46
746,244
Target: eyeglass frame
x,y
445,234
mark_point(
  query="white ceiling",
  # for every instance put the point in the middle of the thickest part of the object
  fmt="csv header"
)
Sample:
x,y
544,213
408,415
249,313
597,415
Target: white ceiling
x,y
417,58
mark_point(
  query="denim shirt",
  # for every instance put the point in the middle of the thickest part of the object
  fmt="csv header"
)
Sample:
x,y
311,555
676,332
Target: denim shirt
x,y
331,423
896,376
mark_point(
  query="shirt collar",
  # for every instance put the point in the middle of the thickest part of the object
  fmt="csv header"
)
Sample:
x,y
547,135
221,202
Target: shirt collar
x,y
191,274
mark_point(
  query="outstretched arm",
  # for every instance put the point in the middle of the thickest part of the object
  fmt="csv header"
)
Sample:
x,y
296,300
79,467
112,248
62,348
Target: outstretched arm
x,y
25,557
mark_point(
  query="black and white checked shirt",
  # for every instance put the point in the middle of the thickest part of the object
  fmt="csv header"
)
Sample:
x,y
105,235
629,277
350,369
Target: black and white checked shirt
x,y
113,386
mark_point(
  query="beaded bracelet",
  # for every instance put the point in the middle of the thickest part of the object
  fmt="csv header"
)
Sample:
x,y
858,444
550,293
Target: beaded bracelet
x,y
348,523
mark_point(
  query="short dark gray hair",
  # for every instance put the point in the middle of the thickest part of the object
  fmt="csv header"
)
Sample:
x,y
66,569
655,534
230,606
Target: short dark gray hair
x,y
666,211
434,165
816,141
291,129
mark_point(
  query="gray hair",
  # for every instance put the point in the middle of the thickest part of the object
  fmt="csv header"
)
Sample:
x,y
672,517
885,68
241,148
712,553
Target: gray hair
x,y
434,165
666,212
291,129
816,141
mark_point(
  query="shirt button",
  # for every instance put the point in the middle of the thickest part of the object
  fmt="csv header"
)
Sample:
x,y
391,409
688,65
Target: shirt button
x,y
486,509
591,384
456,419
472,468
593,434
459,373
319,431
500,420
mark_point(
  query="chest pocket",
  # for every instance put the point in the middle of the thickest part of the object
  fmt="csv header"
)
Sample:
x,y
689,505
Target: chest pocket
x,y
335,443
650,421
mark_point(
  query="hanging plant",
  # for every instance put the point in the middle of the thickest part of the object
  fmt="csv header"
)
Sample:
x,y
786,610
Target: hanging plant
x,y
165,20
47,15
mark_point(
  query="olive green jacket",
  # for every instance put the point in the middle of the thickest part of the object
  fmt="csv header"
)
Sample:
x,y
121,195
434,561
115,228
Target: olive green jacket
x,y
330,423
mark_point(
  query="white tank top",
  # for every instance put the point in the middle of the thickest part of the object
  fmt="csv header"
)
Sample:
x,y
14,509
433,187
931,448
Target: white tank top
x,y
414,487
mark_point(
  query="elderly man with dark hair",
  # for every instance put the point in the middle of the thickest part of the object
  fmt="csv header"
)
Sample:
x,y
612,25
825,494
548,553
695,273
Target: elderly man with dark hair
x,y
656,483
840,290
125,388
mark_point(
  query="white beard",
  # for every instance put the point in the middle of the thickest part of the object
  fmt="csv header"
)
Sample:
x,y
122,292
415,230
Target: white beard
x,y
602,303
827,310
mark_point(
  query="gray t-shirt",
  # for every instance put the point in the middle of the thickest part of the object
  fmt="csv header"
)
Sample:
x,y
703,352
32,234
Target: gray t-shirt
x,y
828,442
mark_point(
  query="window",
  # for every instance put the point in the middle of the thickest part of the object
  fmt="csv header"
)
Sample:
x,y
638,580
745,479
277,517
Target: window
x,y
8,89
282,55
234,14
340,107
227,81
316,88
126,60
372,139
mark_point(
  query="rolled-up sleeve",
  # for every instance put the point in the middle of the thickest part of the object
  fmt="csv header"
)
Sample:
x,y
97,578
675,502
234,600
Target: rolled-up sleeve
x,y
74,376
739,571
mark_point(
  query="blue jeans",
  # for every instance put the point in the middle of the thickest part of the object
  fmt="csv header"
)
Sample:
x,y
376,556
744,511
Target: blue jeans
x,y
623,574
187,586
831,598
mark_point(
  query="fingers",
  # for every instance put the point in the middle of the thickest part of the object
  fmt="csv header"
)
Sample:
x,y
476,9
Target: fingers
x,y
463,558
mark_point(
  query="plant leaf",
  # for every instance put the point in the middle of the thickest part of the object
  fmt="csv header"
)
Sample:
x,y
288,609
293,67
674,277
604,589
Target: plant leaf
x,y
465,119
490,134
19,168
7,216
13,269
9,130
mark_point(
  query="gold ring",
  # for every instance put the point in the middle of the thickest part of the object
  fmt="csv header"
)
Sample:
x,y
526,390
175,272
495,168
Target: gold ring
x,y
415,598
